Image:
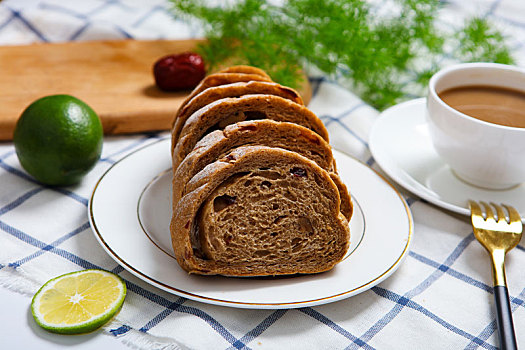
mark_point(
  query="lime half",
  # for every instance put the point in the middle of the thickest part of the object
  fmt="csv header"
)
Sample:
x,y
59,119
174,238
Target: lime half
x,y
78,302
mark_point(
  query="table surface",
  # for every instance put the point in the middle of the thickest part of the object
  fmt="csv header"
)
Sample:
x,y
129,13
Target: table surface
x,y
441,291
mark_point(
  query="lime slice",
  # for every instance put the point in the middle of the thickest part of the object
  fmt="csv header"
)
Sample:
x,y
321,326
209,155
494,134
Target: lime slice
x,y
78,302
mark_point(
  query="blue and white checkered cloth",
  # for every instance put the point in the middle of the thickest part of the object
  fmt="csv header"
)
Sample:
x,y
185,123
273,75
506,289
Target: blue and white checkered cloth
x,y
441,296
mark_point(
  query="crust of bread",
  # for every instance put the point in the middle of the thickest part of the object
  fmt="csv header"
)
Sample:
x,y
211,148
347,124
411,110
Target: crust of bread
x,y
244,69
347,208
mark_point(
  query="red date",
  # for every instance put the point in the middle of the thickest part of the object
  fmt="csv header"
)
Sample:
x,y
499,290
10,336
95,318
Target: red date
x,y
179,72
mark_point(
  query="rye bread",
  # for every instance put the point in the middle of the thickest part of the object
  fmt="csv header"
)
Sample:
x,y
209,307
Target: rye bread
x,y
215,93
260,211
228,111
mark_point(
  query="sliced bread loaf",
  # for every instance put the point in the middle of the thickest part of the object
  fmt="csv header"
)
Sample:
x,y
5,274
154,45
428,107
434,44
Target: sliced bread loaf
x,y
260,211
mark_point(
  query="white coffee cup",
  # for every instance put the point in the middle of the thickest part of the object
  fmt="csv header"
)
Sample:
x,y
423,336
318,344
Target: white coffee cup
x,y
480,153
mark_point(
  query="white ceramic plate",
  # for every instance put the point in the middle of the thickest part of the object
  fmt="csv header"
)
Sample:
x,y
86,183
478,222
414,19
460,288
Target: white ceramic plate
x,y
400,143
130,211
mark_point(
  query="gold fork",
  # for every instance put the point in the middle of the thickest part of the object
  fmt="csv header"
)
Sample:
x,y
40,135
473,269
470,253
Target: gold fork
x,y
498,236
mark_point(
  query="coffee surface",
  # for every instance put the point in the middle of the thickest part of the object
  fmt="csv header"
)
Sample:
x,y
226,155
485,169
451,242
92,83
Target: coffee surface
x,y
489,103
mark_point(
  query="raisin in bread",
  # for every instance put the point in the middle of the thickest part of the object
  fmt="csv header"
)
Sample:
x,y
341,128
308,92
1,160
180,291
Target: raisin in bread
x,y
226,111
215,93
260,211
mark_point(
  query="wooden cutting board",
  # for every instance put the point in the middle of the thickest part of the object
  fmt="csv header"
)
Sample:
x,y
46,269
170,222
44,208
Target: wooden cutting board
x,y
114,77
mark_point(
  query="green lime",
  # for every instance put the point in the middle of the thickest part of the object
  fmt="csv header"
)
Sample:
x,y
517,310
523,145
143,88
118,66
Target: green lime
x,y
78,302
58,139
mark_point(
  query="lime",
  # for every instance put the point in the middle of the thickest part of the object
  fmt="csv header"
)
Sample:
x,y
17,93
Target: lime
x,y
78,302
58,139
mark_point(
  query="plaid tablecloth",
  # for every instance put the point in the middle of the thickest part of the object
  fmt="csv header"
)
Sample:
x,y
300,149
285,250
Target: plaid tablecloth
x,y
441,296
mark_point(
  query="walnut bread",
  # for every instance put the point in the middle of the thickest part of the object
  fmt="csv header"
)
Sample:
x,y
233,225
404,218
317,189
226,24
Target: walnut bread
x,y
255,186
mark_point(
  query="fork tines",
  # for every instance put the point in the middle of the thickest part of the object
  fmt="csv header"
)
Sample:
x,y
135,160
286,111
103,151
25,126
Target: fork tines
x,y
513,218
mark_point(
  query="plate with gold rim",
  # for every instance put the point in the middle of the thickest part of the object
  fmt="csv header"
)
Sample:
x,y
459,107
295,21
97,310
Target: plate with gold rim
x,y
130,212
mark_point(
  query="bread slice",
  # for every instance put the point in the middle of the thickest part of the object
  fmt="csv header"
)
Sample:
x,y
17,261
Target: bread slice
x,y
213,94
263,132
227,111
260,211
347,208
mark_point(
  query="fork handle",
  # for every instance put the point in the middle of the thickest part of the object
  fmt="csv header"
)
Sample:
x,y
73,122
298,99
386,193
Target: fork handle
x,y
507,336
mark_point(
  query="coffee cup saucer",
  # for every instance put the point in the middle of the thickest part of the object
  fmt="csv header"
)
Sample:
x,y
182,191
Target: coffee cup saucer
x,y
400,143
